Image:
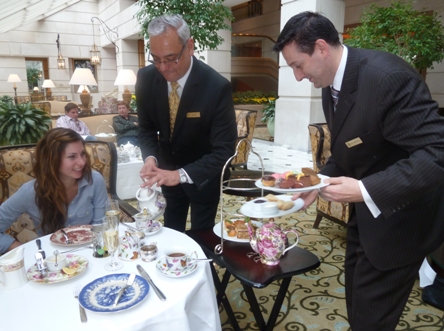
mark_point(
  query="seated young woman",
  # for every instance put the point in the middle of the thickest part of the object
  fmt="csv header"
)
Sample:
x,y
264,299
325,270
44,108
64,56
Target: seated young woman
x,y
65,190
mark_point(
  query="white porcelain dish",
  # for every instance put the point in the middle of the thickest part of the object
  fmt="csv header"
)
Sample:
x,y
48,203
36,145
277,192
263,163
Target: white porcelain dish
x,y
259,184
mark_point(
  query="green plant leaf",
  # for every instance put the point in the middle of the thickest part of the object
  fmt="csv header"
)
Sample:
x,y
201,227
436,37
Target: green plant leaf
x,y
415,36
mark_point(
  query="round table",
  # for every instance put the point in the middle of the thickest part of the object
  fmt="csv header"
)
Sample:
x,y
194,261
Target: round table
x,y
190,304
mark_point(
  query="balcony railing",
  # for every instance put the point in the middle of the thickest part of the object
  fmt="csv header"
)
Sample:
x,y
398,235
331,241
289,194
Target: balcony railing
x,y
253,45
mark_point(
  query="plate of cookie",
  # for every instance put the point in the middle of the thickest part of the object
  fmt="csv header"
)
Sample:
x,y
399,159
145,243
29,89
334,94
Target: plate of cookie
x,y
235,230
292,182
271,206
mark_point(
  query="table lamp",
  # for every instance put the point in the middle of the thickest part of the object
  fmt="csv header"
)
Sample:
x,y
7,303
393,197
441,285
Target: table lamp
x,y
126,77
82,87
14,78
47,83
83,76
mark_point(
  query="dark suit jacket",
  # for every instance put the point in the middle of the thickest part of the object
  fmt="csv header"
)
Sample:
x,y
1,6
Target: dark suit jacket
x,y
205,131
384,102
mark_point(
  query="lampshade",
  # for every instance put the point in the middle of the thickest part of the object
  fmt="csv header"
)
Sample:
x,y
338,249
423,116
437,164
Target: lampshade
x,y
82,76
126,77
82,87
14,78
48,83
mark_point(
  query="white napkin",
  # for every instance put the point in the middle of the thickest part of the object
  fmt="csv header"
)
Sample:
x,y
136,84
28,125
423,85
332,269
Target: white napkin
x,y
426,274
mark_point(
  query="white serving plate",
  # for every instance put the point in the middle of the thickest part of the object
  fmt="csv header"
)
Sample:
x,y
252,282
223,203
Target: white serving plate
x,y
259,184
247,209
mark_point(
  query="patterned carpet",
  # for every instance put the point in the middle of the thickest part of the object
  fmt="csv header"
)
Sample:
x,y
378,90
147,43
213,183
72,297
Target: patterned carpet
x,y
315,301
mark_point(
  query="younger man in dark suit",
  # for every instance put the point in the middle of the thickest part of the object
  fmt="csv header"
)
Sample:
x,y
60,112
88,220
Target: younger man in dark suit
x,y
187,125
387,145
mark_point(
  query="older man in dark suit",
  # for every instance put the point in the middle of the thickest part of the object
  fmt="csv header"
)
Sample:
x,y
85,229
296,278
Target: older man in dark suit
x,y
191,107
387,144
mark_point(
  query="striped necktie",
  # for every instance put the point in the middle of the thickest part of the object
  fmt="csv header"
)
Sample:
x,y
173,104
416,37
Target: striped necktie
x,y
335,96
173,101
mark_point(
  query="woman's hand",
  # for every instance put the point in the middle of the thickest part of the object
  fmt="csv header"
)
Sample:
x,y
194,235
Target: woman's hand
x,y
15,244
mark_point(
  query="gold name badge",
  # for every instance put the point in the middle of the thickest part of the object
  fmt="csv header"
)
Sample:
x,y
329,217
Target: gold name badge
x,y
195,114
353,142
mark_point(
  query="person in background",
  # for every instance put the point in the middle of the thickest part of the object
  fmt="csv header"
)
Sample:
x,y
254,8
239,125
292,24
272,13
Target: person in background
x,y
71,121
187,125
126,125
387,146
65,190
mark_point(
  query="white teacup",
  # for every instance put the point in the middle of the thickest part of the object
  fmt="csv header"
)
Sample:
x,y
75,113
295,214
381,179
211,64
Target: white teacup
x,y
179,257
270,208
56,266
258,204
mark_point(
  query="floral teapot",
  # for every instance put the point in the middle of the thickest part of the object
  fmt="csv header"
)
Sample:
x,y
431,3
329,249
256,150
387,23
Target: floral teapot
x,y
151,199
269,241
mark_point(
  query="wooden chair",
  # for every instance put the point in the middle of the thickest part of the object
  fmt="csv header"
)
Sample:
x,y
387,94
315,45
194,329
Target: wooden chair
x,y
246,122
320,138
16,168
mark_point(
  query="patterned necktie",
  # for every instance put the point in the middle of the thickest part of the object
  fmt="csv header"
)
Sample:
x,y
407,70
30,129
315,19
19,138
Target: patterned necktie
x,y
173,101
335,96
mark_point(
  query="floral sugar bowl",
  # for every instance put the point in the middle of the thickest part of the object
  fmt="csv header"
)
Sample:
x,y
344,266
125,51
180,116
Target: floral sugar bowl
x,y
269,241
129,247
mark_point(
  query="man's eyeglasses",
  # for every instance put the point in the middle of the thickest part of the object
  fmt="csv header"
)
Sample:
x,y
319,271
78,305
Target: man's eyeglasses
x,y
167,62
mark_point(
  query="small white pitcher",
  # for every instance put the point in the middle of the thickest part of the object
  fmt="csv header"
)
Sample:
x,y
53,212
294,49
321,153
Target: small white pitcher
x,y
12,269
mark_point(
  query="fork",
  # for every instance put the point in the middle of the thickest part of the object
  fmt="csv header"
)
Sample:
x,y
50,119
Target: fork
x,y
67,240
76,293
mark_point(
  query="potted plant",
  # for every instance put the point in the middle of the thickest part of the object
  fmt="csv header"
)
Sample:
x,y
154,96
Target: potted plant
x,y
206,18
6,98
268,115
417,37
22,124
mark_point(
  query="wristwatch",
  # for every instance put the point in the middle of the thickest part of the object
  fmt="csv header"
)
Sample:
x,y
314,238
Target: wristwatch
x,y
183,177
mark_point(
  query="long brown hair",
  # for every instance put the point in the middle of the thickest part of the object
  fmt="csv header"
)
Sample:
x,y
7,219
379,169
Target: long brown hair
x,y
50,192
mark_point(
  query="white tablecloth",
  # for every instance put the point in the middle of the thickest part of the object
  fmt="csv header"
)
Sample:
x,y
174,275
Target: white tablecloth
x,y
190,305
128,178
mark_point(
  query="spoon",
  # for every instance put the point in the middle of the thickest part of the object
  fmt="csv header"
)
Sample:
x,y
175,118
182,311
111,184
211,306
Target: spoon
x,y
139,234
56,252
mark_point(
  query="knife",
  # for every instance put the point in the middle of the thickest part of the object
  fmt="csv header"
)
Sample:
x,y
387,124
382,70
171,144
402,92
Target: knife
x,y
40,250
129,283
148,278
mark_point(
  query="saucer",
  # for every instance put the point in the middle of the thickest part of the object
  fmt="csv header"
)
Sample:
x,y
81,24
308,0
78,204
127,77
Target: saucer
x,y
157,226
162,267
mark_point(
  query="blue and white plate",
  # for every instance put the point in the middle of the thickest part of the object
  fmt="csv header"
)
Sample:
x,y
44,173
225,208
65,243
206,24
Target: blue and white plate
x,y
99,295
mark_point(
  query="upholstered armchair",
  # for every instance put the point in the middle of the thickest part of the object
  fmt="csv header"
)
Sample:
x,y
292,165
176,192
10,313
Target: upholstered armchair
x,y
16,168
246,122
320,138
23,99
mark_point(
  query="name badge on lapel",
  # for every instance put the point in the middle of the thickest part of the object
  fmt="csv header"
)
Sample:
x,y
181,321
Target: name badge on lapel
x,y
194,114
353,142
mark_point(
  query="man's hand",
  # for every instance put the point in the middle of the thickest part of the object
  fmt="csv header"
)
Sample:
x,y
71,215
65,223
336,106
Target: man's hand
x,y
308,197
151,175
342,189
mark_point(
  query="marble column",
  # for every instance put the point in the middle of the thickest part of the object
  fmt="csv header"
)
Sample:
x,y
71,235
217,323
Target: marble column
x,y
299,103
